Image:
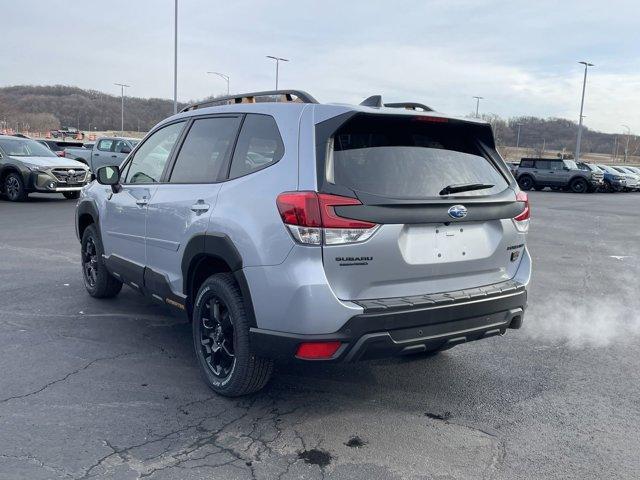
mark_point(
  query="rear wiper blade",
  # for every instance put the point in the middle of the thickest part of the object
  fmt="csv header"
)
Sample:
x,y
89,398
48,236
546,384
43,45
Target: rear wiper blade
x,y
464,187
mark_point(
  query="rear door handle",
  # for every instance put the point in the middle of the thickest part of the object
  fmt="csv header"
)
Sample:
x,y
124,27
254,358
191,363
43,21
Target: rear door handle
x,y
114,156
142,202
199,207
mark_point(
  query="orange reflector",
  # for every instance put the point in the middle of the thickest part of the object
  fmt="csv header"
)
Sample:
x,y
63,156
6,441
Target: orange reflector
x,y
317,350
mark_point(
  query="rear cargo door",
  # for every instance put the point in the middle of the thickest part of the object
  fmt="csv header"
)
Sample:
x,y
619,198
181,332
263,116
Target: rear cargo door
x,y
428,239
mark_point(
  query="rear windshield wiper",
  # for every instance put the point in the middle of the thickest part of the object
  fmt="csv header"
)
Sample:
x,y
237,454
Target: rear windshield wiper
x,y
464,187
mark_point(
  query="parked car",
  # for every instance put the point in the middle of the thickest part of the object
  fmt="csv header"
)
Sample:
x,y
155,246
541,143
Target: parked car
x,y
634,169
633,179
285,231
28,166
557,173
614,181
513,167
66,132
105,151
58,146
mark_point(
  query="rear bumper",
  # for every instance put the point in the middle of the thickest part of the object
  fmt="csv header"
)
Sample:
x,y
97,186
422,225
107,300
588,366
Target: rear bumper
x,y
390,327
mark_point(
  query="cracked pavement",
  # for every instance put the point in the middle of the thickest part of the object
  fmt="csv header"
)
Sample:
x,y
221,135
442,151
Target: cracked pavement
x,y
110,389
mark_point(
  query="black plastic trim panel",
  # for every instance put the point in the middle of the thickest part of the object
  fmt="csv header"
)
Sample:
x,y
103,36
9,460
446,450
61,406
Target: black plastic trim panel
x,y
437,299
407,325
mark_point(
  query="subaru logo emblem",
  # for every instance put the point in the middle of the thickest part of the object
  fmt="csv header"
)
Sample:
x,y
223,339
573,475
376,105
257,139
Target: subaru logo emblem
x,y
72,172
458,211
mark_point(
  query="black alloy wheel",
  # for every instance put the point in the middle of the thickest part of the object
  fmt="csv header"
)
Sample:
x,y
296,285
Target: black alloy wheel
x,y
526,182
579,185
216,337
90,263
14,188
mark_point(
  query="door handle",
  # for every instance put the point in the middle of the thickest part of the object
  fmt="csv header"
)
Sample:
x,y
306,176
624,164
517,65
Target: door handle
x,y
114,156
199,207
142,202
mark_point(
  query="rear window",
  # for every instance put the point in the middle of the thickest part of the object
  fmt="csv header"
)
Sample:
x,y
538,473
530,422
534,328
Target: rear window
x,y
406,158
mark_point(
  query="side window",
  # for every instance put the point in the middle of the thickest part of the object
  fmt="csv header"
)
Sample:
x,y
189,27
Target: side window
x,y
259,145
526,163
556,165
120,144
205,150
105,145
543,164
149,161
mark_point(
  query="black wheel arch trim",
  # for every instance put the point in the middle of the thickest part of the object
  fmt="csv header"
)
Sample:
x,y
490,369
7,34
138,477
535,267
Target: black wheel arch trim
x,y
218,246
87,207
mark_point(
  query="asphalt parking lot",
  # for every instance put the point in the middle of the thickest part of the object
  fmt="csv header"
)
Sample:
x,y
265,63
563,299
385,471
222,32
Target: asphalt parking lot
x,y
110,389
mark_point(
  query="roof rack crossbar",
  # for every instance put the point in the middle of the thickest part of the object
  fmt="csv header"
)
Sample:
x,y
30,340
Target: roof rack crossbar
x,y
289,95
409,106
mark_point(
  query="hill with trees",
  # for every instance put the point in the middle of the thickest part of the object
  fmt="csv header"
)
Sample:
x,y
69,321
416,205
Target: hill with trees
x,y
44,108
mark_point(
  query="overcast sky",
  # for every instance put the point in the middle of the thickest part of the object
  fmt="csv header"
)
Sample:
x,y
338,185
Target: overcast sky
x,y
520,55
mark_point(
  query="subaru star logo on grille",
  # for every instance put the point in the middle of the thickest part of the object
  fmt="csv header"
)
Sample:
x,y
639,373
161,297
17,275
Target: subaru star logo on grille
x,y
72,172
458,211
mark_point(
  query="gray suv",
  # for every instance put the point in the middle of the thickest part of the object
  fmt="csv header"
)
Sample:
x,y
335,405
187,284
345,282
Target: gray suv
x,y
27,166
289,229
558,174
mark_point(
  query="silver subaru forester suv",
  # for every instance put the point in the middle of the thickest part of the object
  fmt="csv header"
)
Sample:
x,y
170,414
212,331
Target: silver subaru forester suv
x,y
290,229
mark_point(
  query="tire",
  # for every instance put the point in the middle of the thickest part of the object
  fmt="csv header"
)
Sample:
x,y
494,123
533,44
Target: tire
x,y
526,182
221,340
97,280
579,185
14,188
606,187
71,195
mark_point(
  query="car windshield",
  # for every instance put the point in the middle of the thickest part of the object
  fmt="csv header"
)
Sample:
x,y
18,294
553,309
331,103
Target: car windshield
x,y
17,147
595,168
571,164
608,169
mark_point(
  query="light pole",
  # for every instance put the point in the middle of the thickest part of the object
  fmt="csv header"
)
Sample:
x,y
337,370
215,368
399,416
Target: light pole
x,y
518,139
122,86
584,86
278,60
626,148
224,76
478,105
175,60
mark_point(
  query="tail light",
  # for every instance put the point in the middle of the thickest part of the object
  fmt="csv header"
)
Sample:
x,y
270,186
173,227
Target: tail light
x,y
317,350
312,220
522,220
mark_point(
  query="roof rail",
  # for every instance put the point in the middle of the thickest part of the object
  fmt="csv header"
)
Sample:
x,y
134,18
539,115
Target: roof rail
x,y
300,96
409,106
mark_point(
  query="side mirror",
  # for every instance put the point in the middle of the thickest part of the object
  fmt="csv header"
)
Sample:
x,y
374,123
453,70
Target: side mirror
x,y
125,150
566,168
109,175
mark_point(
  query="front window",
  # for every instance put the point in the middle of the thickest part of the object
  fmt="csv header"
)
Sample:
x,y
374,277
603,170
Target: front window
x,y
571,164
150,159
18,147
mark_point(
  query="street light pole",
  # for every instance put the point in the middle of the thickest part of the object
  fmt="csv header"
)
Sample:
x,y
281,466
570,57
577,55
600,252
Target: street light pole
x,y
122,86
224,76
626,148
278,60
175,60
584,86
518,139
478,105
